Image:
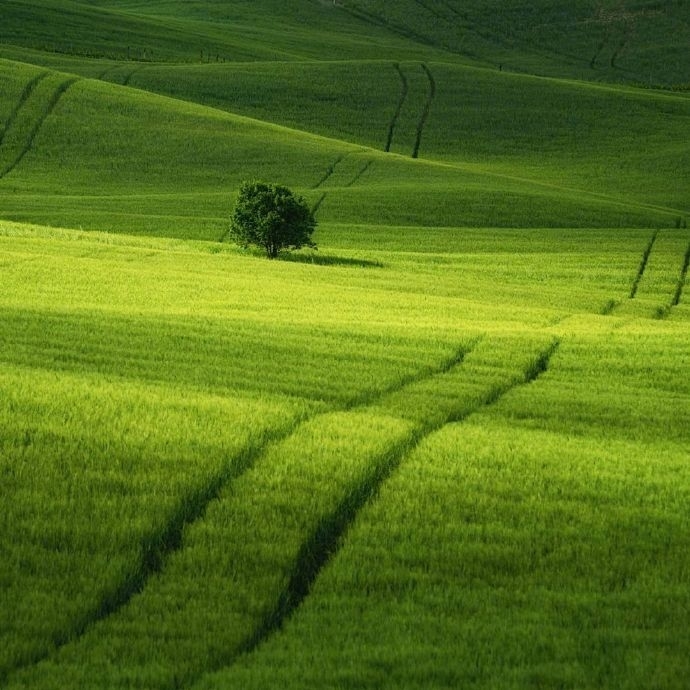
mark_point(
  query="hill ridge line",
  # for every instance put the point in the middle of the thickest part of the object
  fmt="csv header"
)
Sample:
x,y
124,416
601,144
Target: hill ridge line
x,y
461,166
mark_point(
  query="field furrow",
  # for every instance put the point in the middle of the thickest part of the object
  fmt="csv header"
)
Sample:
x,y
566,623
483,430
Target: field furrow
x,y
398,108
329,171
358,175
26,93
134,611
425,112
346,171
69,437
409,114
536,543
660,276
643,264
38,102
682,279
301,494
490,371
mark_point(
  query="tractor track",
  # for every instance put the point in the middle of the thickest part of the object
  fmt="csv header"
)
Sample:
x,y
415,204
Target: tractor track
x,y
47,111
158,548
325,542
643,264
26,93
404,88
425,111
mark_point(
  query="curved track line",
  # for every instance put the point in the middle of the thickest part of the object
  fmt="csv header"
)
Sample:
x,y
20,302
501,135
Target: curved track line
x,y
643,264
681,280
318,203
28,90
401,101
361,172
57,95
330,170
128,78
112,68
325,543
159,547
425,112
595,57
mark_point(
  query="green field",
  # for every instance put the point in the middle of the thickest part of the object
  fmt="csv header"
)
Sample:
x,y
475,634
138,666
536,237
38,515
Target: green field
x,y
449,449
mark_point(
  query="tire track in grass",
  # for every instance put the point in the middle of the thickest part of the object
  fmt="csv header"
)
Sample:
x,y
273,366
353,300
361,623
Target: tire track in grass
x,y
425,112
50,107
682,279
404,88
598,52
26,93
318,203
157,547
160,547
643,265
128,77
329,171
359,174
324,543
107,71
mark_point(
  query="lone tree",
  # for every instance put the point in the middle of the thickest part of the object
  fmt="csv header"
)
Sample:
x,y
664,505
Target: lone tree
x,y
272,217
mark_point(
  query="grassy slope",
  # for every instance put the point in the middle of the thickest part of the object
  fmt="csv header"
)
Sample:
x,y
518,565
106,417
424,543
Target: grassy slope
x,y
535,128
611,40
497,133
154,354
193,32
115,171
122,317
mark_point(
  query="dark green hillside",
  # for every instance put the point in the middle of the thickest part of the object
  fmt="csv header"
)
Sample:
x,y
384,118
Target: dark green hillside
x,y
617,140
192,32
617,40
641,42
384,84
83,153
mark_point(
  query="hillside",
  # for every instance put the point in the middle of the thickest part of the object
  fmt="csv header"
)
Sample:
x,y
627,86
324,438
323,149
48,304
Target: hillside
x,y
447,449
499,147
614,40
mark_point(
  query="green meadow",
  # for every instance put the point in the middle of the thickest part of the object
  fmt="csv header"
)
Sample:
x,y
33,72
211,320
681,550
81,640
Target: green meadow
x,y
447,449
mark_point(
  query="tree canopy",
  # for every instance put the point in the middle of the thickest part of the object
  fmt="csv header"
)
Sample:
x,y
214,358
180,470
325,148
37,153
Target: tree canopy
x,y
272,217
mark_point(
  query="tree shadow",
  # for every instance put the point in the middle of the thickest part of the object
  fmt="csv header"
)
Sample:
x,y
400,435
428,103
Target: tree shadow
x,y
328,260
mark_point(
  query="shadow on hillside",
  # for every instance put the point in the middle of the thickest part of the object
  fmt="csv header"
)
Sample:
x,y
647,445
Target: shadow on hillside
x,y
329,260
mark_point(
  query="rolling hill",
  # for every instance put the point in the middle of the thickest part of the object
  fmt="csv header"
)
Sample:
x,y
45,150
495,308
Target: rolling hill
x,y
447,449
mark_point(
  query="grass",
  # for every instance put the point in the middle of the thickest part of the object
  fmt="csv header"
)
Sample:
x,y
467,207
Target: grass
x,y
419,403
510,172
446,450
70,439
178,32
586,40
541,542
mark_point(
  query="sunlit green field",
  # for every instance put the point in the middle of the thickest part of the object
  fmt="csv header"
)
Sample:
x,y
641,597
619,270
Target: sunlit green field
x,y
448,449
385,468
